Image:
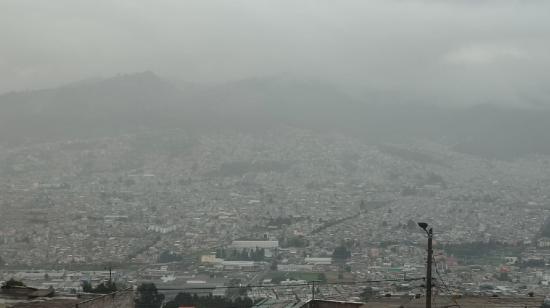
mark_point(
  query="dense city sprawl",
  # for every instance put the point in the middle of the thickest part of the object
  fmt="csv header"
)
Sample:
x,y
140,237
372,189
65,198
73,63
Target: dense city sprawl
x,y
277,208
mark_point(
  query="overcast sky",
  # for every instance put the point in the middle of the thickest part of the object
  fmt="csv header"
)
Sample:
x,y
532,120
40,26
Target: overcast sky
x,y
470,51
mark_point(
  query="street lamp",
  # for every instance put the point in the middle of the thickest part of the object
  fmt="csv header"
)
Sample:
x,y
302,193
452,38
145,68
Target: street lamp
x,y
429,232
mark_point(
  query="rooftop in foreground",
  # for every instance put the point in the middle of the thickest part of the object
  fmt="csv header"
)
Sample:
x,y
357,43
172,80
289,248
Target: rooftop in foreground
x,y
468,301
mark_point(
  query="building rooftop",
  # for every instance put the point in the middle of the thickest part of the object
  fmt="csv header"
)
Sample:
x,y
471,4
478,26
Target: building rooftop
x,y
276,303
48,303
468,301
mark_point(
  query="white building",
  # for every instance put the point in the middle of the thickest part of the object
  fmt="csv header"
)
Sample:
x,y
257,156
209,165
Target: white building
x,y
295,267
239,265
318,261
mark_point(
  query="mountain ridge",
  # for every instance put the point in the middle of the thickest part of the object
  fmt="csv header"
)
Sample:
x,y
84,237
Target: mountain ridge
x,y
129,102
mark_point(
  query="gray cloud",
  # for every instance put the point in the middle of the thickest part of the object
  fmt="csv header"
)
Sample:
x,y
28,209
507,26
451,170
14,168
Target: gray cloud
x,y
448,51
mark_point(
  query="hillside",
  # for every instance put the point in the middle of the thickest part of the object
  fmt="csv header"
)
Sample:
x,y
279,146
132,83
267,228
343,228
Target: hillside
x,y
144,101
97,108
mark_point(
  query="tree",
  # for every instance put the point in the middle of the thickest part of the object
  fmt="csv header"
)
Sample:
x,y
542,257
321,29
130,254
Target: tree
x,y
244,255
367,294
220,253
411,225
12,283
168,256
102,288
148,296
105,287
258,254
87,287
186,300
296,241
341,253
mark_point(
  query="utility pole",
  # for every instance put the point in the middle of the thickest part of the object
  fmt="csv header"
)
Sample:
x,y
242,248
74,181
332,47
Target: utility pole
x,y
429,270
429,232
110,268
313,289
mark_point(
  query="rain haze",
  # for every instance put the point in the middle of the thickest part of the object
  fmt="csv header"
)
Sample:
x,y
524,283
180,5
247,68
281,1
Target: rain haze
x,y
274,153
456,52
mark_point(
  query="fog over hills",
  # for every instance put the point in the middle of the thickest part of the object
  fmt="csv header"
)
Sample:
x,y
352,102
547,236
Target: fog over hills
x,y
128,103
250,153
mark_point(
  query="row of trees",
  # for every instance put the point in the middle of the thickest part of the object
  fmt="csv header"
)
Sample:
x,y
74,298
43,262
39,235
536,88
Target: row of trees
x,y
12,283
257,254
193,300
341,253
102,288
168,256
294,241
148,297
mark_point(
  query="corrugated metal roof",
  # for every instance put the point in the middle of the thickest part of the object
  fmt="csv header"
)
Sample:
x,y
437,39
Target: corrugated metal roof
x,y
275,303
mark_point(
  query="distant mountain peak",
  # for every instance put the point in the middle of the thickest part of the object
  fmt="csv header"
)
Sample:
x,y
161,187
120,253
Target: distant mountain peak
x,y
141,77
138,75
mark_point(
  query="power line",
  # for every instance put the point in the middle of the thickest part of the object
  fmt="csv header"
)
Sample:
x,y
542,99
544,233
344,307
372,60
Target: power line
x,y
273,288
291,285
445,285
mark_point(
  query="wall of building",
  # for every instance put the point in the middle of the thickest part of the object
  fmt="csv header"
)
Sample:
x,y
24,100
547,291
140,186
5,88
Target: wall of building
x,y
122,299
331,304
